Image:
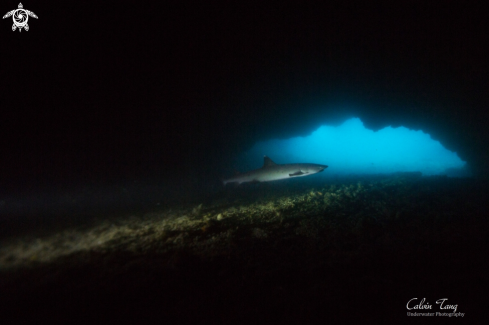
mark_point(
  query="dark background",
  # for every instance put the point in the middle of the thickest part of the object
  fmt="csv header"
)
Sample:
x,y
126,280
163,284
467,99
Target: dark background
x,y
105,94
112,92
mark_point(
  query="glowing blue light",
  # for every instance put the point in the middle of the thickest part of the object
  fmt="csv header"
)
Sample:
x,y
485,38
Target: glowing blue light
x,y
352,149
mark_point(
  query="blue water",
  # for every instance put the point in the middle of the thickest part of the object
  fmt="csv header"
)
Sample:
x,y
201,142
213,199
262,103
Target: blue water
x,y
352,149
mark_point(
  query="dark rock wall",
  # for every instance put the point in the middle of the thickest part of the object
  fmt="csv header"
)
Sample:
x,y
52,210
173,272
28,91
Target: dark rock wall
x,y
177,97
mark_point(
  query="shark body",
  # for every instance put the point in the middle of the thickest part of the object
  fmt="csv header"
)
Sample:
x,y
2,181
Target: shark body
x,y
274,172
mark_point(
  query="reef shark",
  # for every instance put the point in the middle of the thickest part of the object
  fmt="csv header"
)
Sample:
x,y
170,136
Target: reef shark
x,y
274,172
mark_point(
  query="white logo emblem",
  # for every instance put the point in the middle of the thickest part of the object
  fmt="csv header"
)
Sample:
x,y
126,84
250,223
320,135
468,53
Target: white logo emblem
x,y
20,17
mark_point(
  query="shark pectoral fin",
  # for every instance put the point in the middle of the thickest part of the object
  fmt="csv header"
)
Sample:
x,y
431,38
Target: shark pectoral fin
x,y
297,173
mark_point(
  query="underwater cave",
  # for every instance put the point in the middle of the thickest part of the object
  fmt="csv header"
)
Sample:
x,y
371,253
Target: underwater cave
x,y
352,149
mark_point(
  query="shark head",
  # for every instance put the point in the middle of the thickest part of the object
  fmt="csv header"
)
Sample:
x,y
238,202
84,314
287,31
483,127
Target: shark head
x,y
313,168
307,169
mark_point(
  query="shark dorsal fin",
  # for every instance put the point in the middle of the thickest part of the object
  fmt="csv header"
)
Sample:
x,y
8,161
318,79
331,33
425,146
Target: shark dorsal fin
x,y
267,162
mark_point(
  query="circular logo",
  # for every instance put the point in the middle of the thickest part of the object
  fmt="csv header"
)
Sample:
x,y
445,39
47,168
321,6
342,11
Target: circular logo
x,y
20,17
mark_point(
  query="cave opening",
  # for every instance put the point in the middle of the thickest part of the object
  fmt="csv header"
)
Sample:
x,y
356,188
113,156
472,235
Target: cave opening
x,y
350,148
